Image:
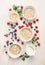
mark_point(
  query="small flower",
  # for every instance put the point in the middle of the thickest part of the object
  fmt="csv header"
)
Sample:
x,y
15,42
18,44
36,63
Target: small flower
x,y
35,34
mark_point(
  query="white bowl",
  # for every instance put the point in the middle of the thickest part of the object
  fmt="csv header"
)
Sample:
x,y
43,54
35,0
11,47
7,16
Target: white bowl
x,y
25,40
12,20
12,55
30,19
30,50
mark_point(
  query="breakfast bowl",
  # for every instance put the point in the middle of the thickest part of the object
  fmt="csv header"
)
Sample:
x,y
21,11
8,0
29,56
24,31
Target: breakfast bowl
x,y
26,34
14,50
30,49
13,17
29,13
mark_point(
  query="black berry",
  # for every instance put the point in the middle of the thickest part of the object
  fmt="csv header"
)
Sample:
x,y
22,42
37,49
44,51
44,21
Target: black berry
x,y
16,23
18,40
23,22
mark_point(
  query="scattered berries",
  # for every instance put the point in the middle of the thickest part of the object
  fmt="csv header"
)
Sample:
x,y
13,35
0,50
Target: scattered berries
x,y
34,21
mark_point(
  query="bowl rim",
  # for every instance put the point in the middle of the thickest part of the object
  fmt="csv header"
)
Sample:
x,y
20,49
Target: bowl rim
x,y
30,19
23,38
14,56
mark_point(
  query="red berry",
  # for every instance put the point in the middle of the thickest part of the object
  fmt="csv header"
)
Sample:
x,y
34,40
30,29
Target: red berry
x,y
21,18
8,23
38,44
19,27
37,31
37,19
6,35
36,27
15,37
34,21
29,23
37,38
10,9
35,34
21,7
22,26
22,42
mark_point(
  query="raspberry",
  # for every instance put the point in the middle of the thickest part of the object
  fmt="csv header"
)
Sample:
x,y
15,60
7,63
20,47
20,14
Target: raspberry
x,y
8,23
37,31
36,27
21,18
6,35
38,44
15,37
37,38
19,27
35,34
34,22
29,23
37,19
10,9
21,7
22,43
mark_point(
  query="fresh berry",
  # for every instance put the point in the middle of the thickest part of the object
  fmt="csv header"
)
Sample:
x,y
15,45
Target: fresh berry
x,y
34,21
16,23
21,18
21,7
36,27
37,31
6,35
37,19
15,37
15,30
8,23
19,27
38,44
23,22
18,40
35,34
11,43
6,52
7,41
27,25
22,43
31,26
22,26
10,9
37,38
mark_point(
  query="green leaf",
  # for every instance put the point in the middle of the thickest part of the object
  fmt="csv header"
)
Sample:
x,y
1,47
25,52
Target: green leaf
x,y
19,11
15,7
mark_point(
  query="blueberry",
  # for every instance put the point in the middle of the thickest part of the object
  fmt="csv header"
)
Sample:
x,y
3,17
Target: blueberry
x,y
23,22
16,23
11,43
15,30
7,41
18,40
